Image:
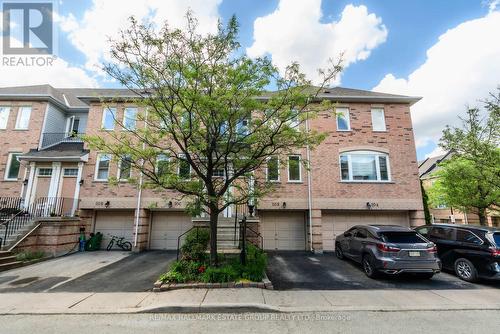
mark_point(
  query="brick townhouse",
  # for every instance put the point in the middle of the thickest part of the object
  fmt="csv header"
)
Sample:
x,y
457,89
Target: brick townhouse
x,y
365,171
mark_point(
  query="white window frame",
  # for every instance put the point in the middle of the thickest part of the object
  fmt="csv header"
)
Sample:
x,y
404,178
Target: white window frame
x,y
19,117
347,114
300,168
70,169
267,170
377,166
103,120
125,118
119,176
5,109
40,169
97,164
384,129
8,167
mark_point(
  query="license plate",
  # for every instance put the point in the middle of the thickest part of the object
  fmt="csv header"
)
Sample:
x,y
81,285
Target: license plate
x,y
413,253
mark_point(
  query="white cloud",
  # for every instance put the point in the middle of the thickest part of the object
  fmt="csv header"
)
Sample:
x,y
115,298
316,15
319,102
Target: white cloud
x,y
493,4
436,152
295,32
460,69
105,18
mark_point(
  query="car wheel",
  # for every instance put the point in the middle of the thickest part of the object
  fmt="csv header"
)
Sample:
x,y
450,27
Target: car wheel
x,y
368,267
465,270
338,251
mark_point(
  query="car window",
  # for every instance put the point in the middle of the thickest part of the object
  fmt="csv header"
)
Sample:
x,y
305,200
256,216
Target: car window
x,y
401,237
361,234
444,233
423,230
496,238
468,237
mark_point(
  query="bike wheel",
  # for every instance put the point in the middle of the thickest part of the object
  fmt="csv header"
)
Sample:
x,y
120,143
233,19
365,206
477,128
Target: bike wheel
x,y
126,246
110,245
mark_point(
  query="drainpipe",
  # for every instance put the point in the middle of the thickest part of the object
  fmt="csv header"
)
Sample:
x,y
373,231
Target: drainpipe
x,y
139,192
309,187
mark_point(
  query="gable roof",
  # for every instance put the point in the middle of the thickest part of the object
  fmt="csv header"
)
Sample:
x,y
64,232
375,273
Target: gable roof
x,y
431,165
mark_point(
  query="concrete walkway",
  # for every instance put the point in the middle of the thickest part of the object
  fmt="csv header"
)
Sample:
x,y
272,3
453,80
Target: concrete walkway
x,y
249,300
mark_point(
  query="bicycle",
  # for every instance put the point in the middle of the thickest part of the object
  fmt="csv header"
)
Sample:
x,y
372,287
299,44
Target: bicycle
x,y
125,245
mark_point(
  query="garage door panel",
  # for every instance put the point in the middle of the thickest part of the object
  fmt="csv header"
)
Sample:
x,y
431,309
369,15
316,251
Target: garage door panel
x,y
167,227
283,230
120,224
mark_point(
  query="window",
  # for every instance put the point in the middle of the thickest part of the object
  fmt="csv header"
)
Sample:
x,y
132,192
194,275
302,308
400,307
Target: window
x,y
444,233
295,120
184,169
424,231
294,169
102,167
129,118
242,128
273,169
402,237
4,117
496,238
45,172
364,166
361,234
108,119
343,122
69,172
219,172
23,118
162,164
13,166
125,168
378,119
468,237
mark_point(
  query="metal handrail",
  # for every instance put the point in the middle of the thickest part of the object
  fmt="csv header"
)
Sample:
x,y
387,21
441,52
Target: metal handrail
x,y
54,138
180,236
256,235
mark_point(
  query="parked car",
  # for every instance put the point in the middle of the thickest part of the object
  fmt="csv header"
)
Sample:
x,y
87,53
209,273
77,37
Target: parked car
x,y
388,249
472,252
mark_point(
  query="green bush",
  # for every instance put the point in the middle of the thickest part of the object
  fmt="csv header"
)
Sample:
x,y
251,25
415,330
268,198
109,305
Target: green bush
x,y
196,244
256,264
29,256
227,273
172,277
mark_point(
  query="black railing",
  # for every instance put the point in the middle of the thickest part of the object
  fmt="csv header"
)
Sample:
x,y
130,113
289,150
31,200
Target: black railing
x,y
252,237
15,215
197,228
54,138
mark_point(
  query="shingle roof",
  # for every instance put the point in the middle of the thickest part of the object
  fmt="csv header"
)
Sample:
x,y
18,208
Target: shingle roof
x,y
431,165
80,97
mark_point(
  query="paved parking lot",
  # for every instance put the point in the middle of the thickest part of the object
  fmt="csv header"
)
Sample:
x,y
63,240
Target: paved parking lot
x,y
101,271
306,271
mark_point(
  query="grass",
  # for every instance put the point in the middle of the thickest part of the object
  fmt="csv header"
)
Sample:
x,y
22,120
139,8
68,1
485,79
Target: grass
x,y
29,256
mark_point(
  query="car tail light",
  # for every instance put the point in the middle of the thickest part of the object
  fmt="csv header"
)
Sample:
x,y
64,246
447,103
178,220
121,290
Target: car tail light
x,y
495,251
432,249
386,248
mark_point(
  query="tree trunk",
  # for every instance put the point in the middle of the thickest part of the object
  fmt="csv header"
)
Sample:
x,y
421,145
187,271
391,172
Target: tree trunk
x,y
214,216
481,212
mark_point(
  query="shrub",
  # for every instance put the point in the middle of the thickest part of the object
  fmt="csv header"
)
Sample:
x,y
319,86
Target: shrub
x,y
196,244
172,277
256,264
29,256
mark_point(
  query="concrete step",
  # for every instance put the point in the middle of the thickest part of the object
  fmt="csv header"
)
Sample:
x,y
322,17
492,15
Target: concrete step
x,y
10,265
7,259
5,254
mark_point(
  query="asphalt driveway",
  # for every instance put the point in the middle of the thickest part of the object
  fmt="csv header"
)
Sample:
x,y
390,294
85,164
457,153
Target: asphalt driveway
x,y
101,271
306,271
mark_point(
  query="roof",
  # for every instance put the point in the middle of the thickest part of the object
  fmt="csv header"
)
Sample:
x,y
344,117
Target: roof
x,y
79,98
431,165
470,227
60,152
389,228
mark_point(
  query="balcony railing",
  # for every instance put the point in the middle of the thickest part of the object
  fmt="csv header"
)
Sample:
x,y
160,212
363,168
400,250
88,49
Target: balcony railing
x,y
51,139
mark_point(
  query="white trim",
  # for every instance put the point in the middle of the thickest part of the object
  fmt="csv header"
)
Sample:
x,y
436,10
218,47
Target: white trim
x,y
40,140
18,119
8,167
8,108
29,187
347,117
377,166
97,164
55,180
300,168
77,188
267,169
103,117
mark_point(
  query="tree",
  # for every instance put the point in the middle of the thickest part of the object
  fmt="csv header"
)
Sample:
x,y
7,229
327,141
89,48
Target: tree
x,y
470,179
208,114
425,200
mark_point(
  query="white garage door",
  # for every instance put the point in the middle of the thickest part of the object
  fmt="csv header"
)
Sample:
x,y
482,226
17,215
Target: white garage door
x,y
119,223
334,224
283,230
166,228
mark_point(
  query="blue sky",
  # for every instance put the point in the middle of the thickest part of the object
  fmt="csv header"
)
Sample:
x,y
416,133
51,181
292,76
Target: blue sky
x,y
441,50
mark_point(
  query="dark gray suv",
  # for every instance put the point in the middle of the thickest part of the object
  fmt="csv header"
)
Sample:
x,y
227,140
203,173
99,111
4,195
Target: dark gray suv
x,y
388,249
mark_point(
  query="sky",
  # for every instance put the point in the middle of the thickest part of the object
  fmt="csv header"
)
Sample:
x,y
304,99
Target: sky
x,y
446,52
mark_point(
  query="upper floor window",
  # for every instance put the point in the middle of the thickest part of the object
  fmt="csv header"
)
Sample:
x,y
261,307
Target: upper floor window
x,y
343,119
23,118
108,119
219,172
378,119
125,168
295,120
242,127
273,169
364,166
102,167
130,118
4,117
13,166
184,169
162,164
294,168
45,172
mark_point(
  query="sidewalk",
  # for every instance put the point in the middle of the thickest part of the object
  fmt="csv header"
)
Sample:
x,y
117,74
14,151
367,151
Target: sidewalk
x,y
249,300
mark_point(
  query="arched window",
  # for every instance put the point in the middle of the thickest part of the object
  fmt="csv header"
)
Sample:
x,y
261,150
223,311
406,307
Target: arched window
x,y
364,166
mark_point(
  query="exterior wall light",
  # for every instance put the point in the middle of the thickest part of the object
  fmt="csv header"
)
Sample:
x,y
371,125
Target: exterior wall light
x,y
107,204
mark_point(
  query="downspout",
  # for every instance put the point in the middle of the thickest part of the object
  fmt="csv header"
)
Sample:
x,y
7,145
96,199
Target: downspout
x,y
309,187
139,193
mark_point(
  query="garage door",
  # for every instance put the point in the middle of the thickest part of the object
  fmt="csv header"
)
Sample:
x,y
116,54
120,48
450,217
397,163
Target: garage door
x,y
334,224
166,228
283,230
119,223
